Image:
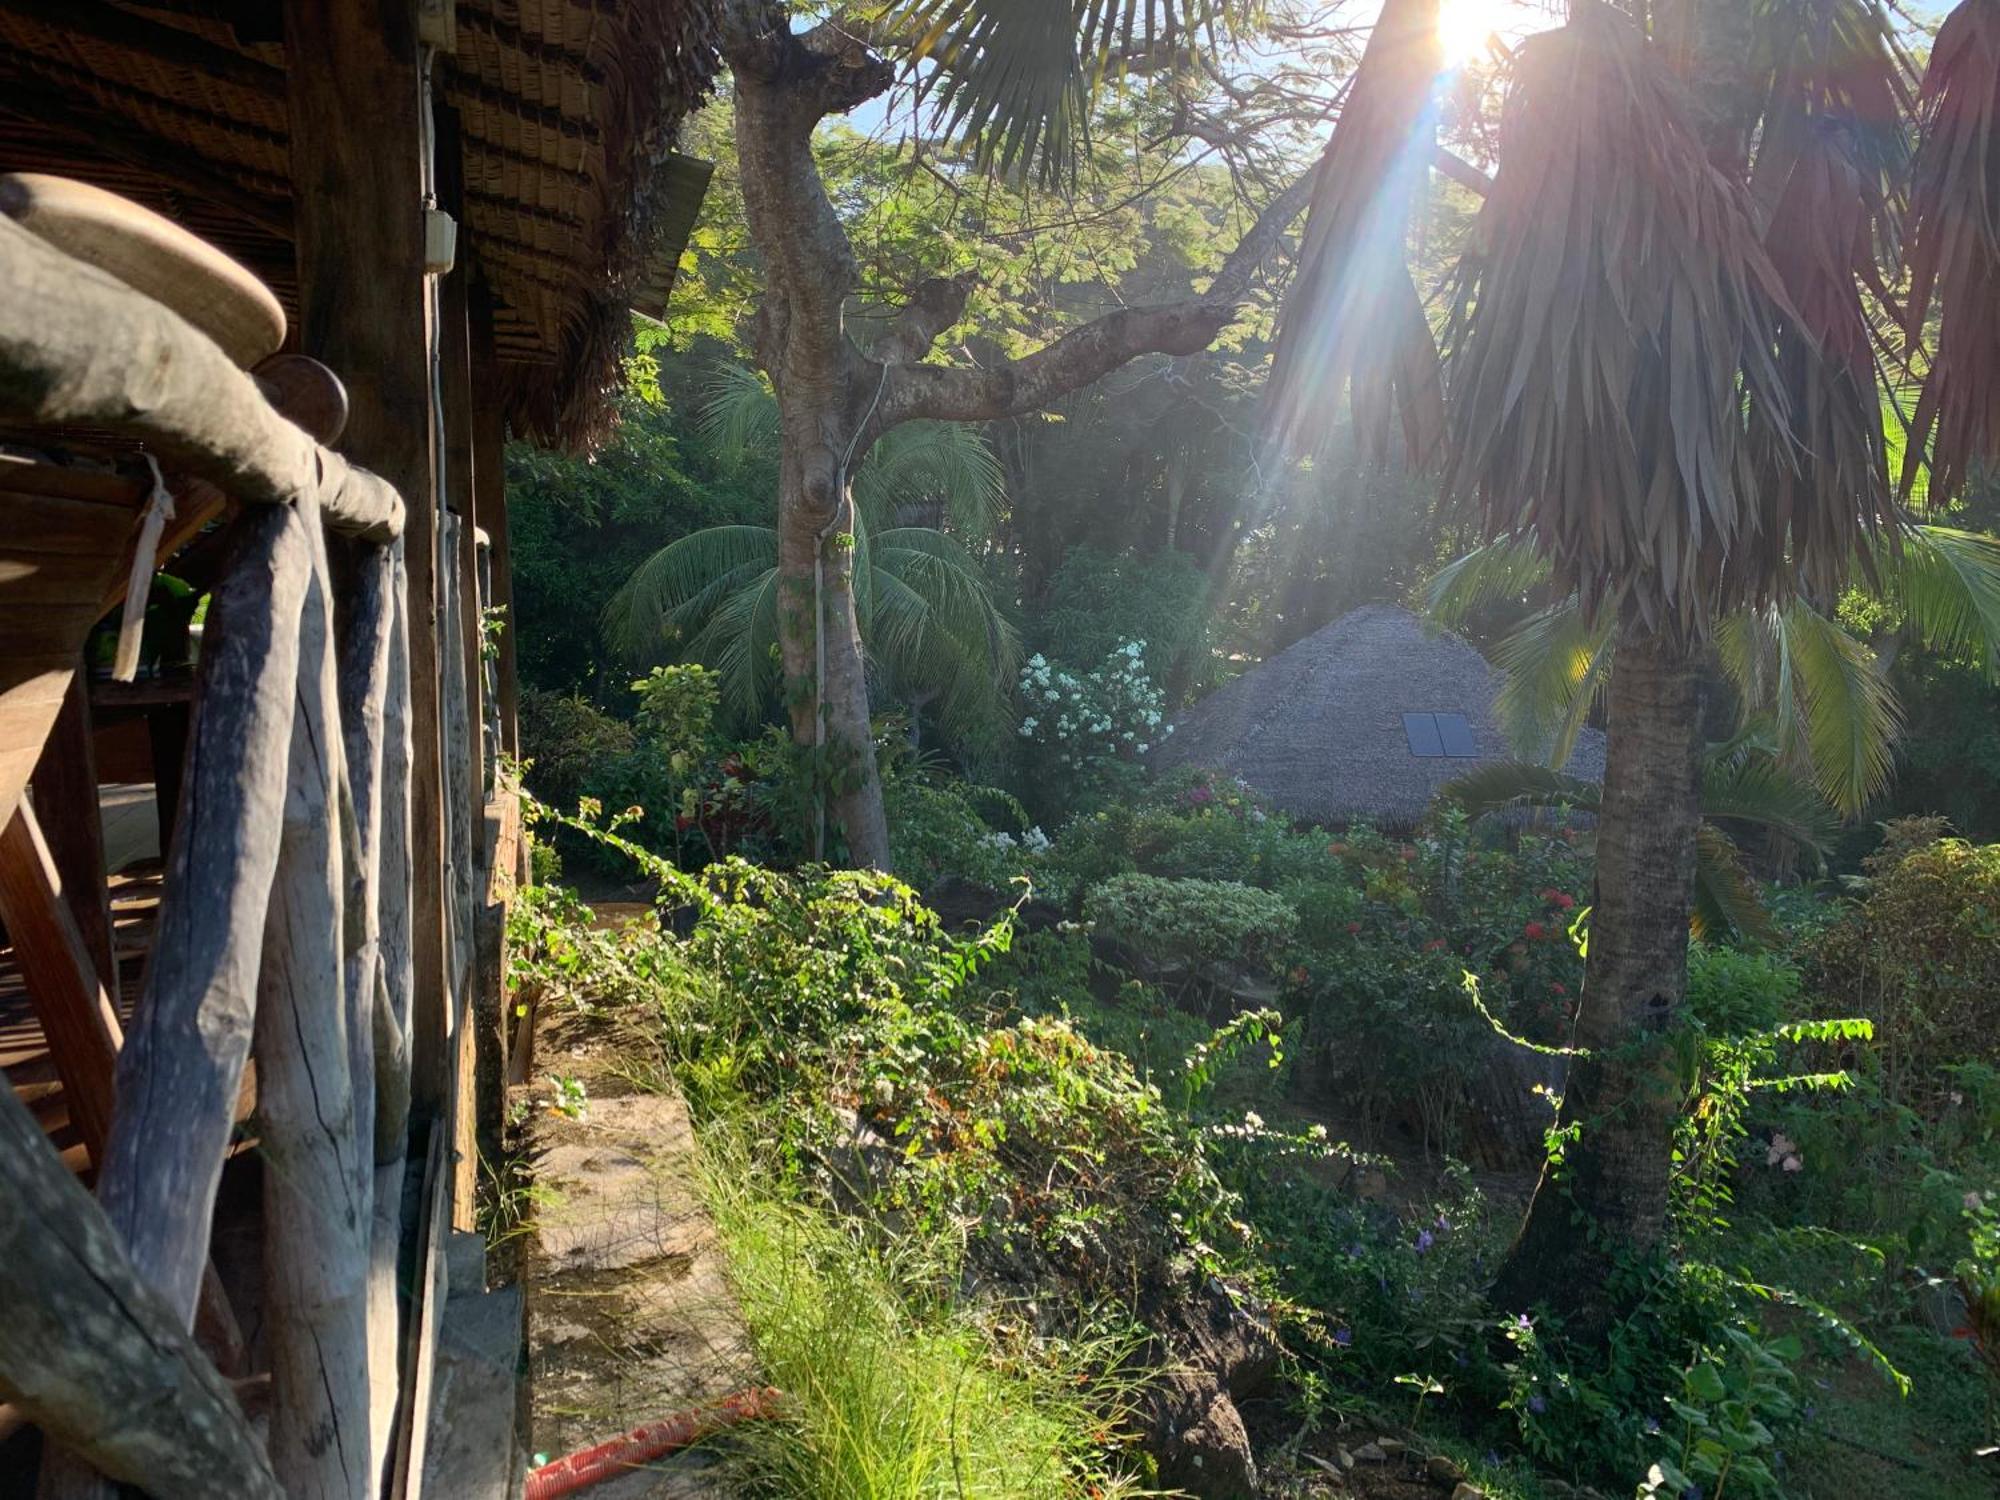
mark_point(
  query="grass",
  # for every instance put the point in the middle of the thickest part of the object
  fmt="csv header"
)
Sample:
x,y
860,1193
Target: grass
x,y
894,1394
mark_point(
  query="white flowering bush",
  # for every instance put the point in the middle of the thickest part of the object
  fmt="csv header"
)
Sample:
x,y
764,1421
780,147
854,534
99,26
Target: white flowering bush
x,y
1083,719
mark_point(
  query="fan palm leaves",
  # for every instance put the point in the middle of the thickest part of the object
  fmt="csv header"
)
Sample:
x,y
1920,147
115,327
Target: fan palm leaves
x,y
1015,79
935,632
1833,712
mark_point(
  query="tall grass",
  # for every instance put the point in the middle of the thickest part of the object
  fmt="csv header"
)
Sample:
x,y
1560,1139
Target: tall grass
x,y
893,1394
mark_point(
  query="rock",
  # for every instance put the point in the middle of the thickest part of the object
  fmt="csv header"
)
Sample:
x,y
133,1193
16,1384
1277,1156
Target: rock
x,y
1468,1492
1391,1447
1346,1458
1371,1453
1443,1470
1196,1435
1327,1467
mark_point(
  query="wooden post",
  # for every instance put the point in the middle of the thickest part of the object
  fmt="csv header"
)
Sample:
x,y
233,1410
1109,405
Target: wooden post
x,y
378,1049
182,1066
357,142
318,1175
63,983
96,1357
489,486
181,1069
66,777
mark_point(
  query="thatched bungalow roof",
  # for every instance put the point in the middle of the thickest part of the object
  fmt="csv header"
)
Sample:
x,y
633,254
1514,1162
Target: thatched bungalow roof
x,y
575,205
1320,728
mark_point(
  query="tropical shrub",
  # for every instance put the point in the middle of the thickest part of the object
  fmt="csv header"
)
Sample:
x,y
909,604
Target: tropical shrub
x,y
1083,732
1098,602
1920,956
1191,921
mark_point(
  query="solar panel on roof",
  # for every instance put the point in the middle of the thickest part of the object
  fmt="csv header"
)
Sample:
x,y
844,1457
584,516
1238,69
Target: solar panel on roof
x,y
1421,730
1456,735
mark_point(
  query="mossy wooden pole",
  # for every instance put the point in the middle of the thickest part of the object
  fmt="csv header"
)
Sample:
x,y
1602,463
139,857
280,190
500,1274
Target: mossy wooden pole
x,y
318,1175
96,1357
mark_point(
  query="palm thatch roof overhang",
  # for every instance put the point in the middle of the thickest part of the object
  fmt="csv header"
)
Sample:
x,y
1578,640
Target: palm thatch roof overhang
x,y
576,207
1319,728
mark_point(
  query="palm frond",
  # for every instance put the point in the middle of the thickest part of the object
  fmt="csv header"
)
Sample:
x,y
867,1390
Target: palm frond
x,y
1947,584
739,411
1511,784
1836,714
1755,788
1353,317
1607,386
936,630
1555,669
1954,255
672,594
1725,898
1014,79
1507,568
945,470
740,642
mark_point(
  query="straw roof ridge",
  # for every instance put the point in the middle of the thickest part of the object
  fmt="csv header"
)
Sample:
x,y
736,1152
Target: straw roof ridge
x,y
1318,728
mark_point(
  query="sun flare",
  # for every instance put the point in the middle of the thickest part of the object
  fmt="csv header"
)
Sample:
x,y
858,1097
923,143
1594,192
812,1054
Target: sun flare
x,y
1465,25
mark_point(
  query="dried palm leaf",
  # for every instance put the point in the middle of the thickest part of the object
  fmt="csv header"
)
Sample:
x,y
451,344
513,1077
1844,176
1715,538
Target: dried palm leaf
x,y
1354,317
1831,470
1955,250
1610,339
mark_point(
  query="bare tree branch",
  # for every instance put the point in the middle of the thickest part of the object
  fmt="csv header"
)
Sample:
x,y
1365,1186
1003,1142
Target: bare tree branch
x,y
916,391
933,307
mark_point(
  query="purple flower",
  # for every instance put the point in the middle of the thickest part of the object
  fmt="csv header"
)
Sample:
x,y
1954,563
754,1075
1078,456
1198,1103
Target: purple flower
x,y
1523,1322
1652,1426
1443,1224
1343,1337
1425,1239
1537,1404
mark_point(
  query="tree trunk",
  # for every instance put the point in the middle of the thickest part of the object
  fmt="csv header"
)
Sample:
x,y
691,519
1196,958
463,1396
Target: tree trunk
x,y
1610,1194
826,682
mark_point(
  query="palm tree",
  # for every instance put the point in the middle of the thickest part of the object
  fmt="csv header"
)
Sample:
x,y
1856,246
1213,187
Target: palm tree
x,y
1661,371
935,636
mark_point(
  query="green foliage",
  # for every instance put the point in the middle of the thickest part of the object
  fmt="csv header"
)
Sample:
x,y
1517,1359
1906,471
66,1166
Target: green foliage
x,y
1098,601
1921,957
892,1391
1731,992
1194,921
1725,1414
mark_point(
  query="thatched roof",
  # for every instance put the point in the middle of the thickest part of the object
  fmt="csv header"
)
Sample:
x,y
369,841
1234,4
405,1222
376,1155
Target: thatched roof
x,y
576,207
1319,728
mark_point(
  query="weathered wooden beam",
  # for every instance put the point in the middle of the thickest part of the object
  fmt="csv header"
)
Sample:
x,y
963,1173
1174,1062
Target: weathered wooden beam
x,y
66,777
369,589
64,985
358,171
97,1358
78,348
395,974
182,1067
318,1175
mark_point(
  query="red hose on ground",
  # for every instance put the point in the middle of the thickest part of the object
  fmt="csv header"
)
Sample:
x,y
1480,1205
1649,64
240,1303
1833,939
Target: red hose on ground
x,y
642,1445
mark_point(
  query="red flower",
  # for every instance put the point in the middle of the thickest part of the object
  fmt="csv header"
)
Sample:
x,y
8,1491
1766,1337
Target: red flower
x,y
1534,931
1353,927
1433,945
1560,989
1564,902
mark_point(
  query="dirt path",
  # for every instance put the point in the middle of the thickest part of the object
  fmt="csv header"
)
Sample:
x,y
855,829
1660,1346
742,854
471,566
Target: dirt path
x,y
630,1315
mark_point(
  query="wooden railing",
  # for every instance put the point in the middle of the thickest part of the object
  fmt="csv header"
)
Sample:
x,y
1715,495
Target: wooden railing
x,y
284,933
